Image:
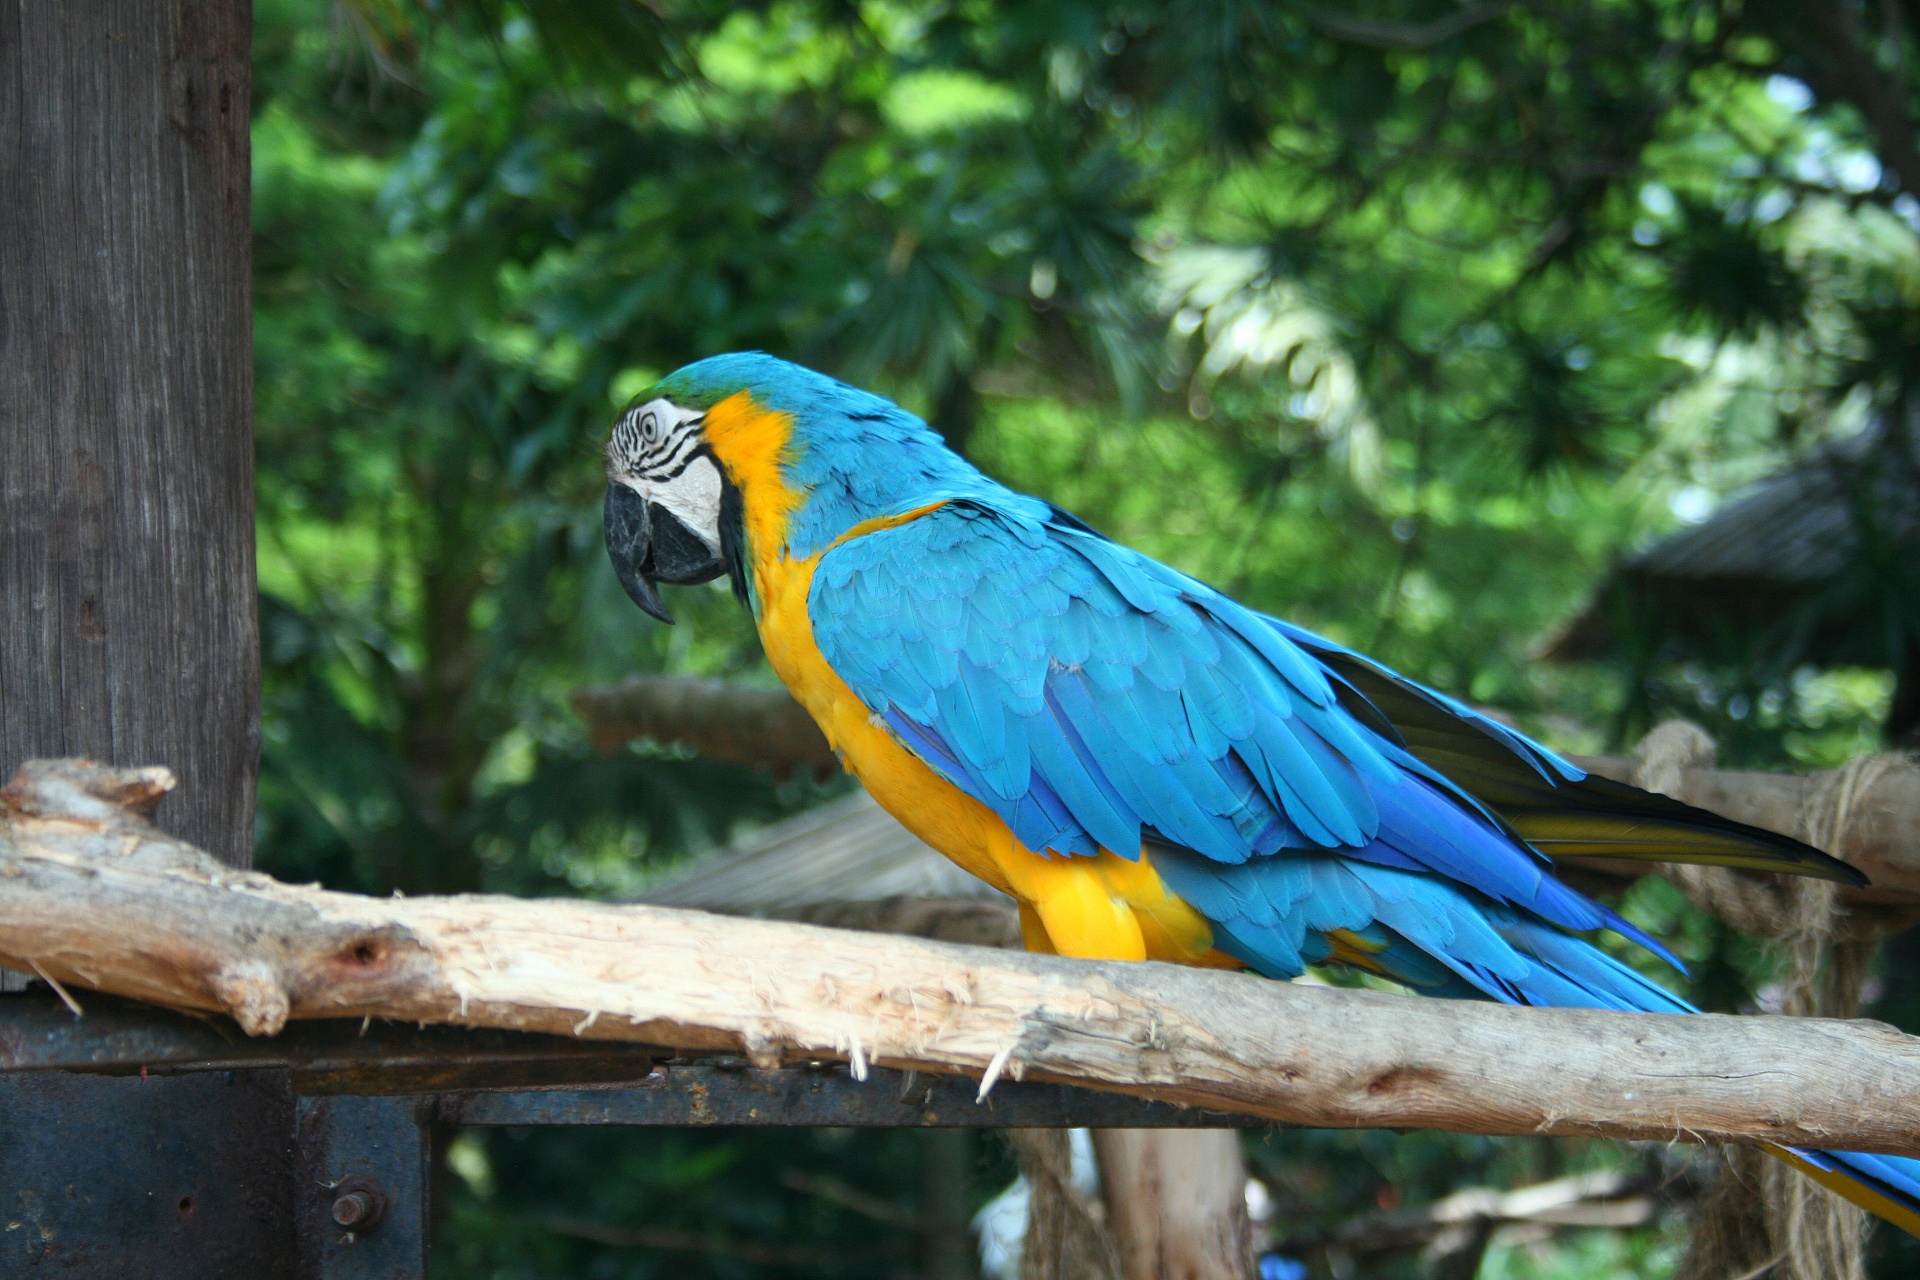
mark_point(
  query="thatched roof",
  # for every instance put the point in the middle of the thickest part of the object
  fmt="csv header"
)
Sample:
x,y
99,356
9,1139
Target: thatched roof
x,y
1818,564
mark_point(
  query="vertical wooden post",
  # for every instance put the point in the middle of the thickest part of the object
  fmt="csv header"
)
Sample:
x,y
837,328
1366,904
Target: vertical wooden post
x,y
1176,1203
127,593
127,615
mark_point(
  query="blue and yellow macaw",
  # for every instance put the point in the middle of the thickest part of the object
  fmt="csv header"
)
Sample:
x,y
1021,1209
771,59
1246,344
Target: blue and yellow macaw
x,y
1150,769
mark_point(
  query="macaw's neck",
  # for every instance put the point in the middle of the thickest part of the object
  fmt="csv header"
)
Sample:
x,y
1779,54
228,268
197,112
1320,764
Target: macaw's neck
x,y
753,445
805,485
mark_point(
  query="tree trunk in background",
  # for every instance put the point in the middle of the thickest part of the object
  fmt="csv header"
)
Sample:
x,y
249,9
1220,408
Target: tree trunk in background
x,y
1903,716
946,1205
956,410
1176,1203
127,590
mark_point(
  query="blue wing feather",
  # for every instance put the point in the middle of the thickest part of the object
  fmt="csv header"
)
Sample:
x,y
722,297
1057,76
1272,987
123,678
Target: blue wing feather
x,y
1095,699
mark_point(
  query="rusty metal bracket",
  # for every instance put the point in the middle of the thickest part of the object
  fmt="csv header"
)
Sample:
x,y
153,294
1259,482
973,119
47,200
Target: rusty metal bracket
x,y
360,1202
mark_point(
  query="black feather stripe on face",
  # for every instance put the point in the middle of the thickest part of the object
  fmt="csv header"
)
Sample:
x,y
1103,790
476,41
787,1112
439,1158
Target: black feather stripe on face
x,y
655,442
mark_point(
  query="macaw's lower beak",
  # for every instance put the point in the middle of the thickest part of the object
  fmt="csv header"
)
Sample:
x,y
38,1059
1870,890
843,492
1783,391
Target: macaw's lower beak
x,y
648,545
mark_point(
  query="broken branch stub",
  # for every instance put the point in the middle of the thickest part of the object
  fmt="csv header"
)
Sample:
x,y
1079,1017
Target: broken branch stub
x,y
96,896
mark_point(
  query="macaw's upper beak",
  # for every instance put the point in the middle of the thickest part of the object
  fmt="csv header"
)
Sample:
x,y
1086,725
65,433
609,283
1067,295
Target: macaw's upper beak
x,y
648,545
630,547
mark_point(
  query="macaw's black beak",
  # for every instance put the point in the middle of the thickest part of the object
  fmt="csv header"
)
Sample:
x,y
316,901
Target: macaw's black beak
x,y
648,545
630,547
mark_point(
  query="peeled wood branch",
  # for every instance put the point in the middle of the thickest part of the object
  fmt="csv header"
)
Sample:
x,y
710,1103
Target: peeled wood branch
x,y
93,895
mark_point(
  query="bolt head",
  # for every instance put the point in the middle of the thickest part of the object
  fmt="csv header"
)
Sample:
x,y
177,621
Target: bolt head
x,y
352,1209
359,1205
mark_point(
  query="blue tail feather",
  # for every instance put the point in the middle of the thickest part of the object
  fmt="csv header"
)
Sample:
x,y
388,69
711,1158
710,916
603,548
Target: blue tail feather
x,y
1444,940
1886,1186
1570,968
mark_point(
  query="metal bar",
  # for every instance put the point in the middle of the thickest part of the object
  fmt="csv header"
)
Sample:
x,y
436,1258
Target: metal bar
x,y
145,1143
701,1094
125,1037
360,1207
492,1077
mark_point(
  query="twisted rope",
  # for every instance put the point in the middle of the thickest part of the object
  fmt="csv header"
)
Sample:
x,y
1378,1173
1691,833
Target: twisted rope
x,y
1760,1217
1067,1236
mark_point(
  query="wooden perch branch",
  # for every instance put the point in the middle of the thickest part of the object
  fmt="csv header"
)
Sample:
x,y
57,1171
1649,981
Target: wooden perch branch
x,y
93,895
718,719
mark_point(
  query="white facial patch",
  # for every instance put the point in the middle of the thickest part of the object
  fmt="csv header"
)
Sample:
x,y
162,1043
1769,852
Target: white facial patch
x,y
694,498
657,451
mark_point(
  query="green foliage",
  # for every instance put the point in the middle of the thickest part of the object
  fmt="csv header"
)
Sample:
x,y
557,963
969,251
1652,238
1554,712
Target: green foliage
x,y
673,1203
1402,319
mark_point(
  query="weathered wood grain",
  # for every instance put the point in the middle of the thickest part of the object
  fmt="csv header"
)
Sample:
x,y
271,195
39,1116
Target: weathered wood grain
x,y
94,896
127,587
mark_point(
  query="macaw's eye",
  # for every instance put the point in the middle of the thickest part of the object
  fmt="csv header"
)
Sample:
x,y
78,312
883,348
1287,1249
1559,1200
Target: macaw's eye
x,y
650,426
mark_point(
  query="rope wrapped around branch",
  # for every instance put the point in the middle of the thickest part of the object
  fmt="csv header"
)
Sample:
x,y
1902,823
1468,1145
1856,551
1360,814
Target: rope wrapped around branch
x,y
1761,1217
1067,1234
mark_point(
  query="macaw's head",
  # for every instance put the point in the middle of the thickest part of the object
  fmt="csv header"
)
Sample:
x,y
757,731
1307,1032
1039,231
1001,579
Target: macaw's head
x,y
673,513
743,454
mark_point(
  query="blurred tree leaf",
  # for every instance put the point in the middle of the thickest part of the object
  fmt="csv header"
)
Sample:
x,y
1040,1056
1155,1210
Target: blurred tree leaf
x,y
1726,278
